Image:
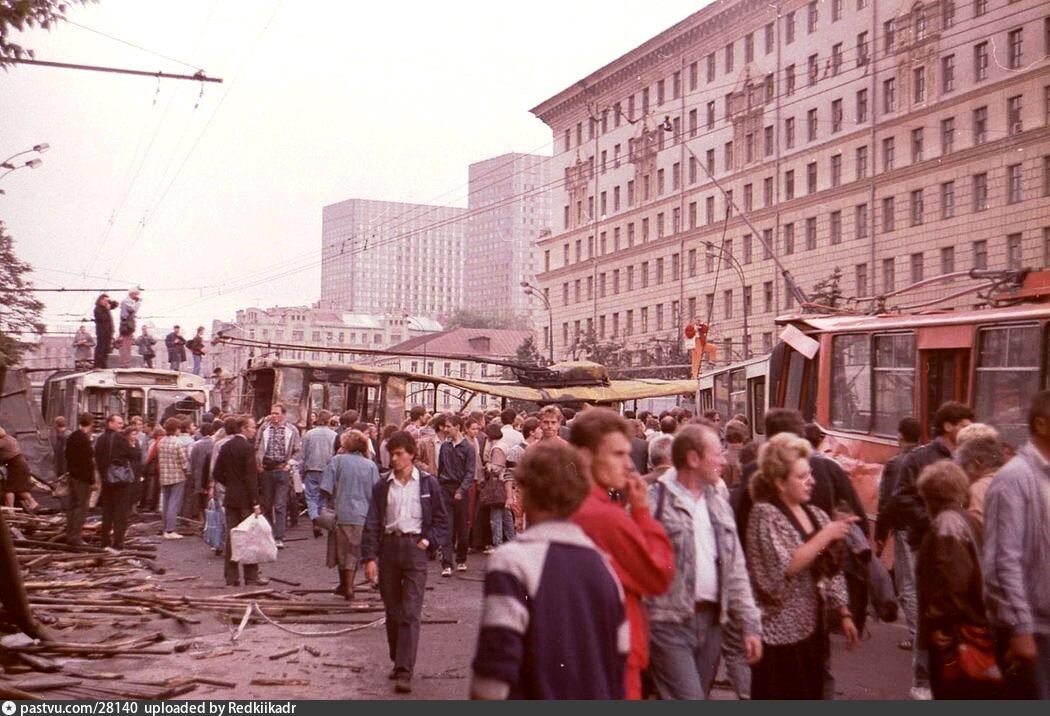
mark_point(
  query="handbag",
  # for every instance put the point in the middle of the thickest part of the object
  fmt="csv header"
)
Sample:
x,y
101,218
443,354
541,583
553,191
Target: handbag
x,y
974,657
119,474
214,526
493,493
326,518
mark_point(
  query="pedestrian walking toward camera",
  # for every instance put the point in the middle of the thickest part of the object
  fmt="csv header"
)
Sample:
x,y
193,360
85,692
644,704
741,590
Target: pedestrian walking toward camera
x,y
711,588
347,484
456,461
1016,560
237,471
405,517
145,344
794,557
103,329
197,350
553,623
115,448
173,469
129,311
637,544
317,453
80,460
82,349
276,445
176,346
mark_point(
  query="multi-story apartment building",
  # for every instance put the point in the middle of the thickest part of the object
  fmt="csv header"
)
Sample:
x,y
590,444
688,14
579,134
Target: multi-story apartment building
x,y
314,327
509,209
383,257
892,140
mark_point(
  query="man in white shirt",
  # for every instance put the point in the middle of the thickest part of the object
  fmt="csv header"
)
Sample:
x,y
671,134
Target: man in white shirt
x,y
406,516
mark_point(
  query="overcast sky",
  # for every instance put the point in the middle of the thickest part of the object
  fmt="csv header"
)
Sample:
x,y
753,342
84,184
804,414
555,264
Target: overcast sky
x,y
210,201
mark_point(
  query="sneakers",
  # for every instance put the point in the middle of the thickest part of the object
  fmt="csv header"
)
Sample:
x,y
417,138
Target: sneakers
x,y
906,645
403,683
920,693
280,544
461,567
488,550
172,535
446,572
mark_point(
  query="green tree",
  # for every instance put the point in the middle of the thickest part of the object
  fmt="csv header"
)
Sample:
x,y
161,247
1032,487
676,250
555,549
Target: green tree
x,y
527,352
466,318
20,313
827,291
22,15
610,353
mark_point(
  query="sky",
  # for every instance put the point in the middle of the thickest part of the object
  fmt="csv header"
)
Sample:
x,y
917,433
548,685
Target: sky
x,y
210,195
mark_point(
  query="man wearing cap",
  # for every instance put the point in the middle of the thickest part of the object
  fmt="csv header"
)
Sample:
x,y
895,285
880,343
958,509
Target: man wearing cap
x,y
129,309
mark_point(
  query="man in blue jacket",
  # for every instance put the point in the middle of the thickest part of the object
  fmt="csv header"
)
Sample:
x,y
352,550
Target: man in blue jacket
x,y
456,466
406,516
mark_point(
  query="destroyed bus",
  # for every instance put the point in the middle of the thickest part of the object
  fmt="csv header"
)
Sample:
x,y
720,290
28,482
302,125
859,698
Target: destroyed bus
x,y
153,394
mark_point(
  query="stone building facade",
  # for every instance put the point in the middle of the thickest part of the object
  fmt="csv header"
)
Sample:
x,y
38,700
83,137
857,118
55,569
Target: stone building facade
x,y
891,140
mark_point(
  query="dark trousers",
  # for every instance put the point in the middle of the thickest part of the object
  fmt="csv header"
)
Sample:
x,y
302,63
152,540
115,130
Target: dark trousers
x,y
459,535
103,345
147,361
273,499
402,582
116,503
235,516
79,495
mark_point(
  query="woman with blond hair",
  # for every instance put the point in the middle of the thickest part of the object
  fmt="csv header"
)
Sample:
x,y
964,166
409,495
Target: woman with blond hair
x,y
980,454
791,548
951,590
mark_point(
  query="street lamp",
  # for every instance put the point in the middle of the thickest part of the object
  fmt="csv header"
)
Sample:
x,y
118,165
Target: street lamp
x,y
535,291
32,163
732,260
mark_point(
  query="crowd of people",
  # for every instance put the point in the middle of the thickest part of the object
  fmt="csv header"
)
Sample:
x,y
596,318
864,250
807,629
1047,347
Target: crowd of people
x,y
93,352
630,554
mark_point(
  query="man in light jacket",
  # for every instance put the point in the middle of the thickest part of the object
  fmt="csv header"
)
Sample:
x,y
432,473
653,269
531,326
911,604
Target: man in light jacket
x,y
317,453
1016,560
275,445
711,588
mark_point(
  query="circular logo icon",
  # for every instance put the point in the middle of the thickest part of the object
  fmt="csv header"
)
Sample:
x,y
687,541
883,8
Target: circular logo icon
x,y
8,708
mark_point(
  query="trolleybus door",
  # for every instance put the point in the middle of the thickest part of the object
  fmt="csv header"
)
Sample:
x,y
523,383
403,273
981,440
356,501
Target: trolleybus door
x,y
944,376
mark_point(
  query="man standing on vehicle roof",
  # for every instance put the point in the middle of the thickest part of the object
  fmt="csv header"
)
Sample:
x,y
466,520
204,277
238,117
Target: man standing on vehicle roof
x,y
129,310
103,329
176,346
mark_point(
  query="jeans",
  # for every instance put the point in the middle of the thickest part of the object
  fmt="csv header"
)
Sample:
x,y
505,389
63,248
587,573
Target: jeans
x,y
171,503
904,575
79,495
501,520
402,583
459,535
737,668
683,657
116,502
273,499
312,487
196,364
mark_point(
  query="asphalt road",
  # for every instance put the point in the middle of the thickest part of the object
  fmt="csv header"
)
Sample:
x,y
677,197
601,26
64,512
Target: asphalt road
x,y
355,666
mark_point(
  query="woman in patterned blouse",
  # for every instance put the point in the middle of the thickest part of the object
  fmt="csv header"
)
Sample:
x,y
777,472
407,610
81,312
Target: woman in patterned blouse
x,y
790,555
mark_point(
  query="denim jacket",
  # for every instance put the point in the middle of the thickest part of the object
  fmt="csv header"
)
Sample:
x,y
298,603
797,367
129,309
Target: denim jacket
x,y
734,586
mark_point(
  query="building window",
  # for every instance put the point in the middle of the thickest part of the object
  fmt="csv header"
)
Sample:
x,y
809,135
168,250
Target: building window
x,y
710,115
644,270
888,224
644,320
980,192
811,233
948,260
709,209
789,239
789,27
889,96
789,80
834,227
747,242
948,200
789,132
862,280
836,10
889,35
748,198
1046,175
919,22
980,61
862,162
729,58
767,243
767,191
1013,251
862,106
768,141
767,296
811,125
948,73
916,268
749,47
811,178
889,275
980,125
659,271
1016,40
1013,115
888,152
1046,246
836,59
1014,193
947,135
916,144
919,85
836,170
692,263
947,13
813,66
916,207
980,254
811,17
727,303
729,156
836,115
789,184
862,49
769,38
860,219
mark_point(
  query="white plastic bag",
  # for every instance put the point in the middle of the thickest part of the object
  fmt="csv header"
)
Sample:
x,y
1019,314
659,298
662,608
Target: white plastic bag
x,y
251,542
